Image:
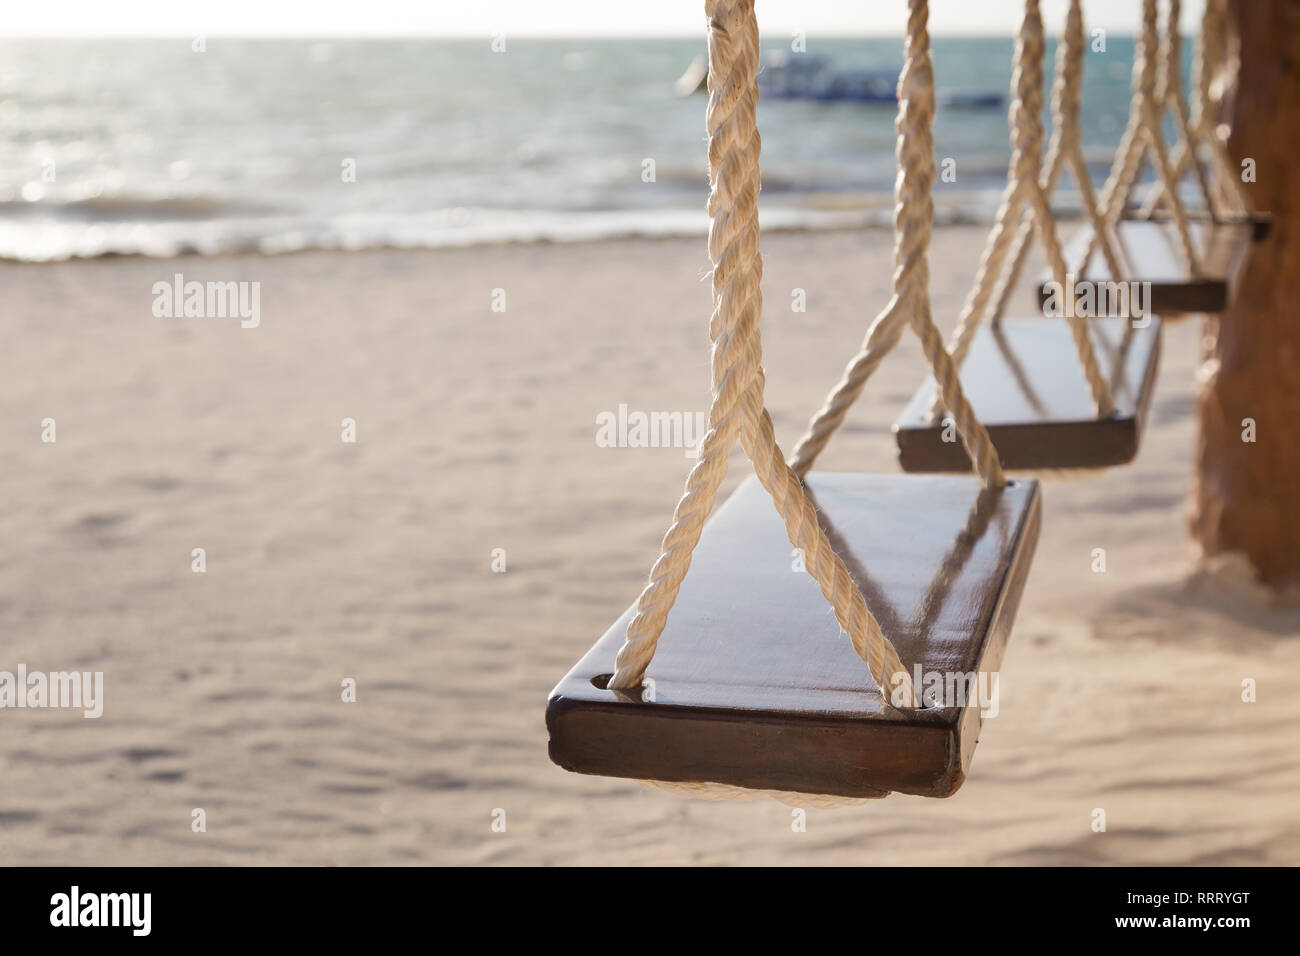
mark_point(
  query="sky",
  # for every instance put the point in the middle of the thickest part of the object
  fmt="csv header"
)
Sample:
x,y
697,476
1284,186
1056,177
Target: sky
x,y
470,18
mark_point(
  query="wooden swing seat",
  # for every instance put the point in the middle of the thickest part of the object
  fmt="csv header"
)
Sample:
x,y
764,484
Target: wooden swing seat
x,y
1151,247
1023,381
754,684
1260,224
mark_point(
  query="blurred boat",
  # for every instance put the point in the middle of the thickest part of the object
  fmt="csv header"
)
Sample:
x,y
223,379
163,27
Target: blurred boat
x,y
695,79
804,77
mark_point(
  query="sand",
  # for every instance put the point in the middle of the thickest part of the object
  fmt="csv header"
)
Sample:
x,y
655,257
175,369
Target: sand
x,y
373,561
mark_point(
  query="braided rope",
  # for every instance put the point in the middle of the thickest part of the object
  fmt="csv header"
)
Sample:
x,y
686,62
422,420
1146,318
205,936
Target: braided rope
x,y
995,247
1174,94
1211,72
1123,167
1032,120
1211,76
1026,183
737,407
1065,145
1142,136
913,218
1171,95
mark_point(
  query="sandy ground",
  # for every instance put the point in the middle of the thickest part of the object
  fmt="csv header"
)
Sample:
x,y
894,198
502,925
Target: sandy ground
x,y
372,561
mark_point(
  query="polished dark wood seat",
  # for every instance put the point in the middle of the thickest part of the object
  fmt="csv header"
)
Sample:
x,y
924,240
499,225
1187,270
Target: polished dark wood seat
x,y
754,684
1023,380
1151,248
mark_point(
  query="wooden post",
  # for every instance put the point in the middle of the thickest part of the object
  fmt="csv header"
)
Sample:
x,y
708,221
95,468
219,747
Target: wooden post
x,y
1247,493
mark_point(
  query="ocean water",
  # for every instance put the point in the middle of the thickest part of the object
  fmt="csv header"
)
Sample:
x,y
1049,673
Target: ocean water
x,y
147,147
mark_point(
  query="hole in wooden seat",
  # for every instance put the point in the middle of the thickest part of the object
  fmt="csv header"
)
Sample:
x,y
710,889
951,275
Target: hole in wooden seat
x,y
1023,381
754,684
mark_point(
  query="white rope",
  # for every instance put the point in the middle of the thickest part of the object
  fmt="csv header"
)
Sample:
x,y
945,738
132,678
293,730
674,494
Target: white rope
x,y
737,410
1066,145
1170,96
1142,137
913,218
1196,123
1026,184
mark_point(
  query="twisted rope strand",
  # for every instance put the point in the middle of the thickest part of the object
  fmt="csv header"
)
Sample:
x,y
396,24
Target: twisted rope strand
x,y
1026,182
734,146
1142,136
994,252
731,90
1221,80
1152,112
913,218
1123,167
1210,68
1175,94
1066,145
1030,55
1171,95
1062,88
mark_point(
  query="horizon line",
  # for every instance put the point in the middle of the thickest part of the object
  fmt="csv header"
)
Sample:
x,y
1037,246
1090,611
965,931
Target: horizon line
x,y
418,35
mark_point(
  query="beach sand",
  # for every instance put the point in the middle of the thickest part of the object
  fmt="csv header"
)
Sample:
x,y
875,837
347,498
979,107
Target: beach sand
x,y
372,561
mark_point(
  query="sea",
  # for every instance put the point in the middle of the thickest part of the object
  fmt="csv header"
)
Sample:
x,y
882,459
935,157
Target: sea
x,y
162,146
